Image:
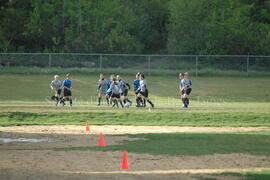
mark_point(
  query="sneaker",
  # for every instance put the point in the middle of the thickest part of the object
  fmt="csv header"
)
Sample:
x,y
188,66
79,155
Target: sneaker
x,y
62,103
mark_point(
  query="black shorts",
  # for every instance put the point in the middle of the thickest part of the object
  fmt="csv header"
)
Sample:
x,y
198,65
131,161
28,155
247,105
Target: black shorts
x,y
145,94
58,92
67,92
115,96
125,93
187,91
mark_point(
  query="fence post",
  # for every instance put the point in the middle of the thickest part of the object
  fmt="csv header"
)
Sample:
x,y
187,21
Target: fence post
x,y
149,63
247,66
100,63
50,60
196,66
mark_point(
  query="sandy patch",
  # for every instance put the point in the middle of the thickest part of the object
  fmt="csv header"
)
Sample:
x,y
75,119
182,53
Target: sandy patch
x,y
118,129
25,160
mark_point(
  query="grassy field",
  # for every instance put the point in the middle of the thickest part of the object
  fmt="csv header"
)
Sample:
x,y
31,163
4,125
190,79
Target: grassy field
x,y
129,117
215,101
263,175
206,89
187,144
158,70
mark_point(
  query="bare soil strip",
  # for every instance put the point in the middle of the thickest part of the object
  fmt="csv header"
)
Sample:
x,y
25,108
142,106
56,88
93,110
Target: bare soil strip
x,y
26,160
175,171
118,129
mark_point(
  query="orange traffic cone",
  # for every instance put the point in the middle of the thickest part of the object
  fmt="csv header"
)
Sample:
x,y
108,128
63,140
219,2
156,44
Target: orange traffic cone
x,y
124,161
101,140
87,126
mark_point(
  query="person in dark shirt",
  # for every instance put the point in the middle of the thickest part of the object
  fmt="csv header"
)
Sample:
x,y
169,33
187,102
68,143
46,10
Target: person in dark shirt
x,y
67,90
136,84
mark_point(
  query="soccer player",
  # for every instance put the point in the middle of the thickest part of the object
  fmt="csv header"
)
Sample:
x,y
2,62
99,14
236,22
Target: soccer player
x,y
108,94
143,91
186,88
116,91
124,88
56,87
102,85
67,90
181,90
136,84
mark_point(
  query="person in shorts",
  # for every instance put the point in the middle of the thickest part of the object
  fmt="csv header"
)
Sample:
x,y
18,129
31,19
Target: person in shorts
x,y
67,90
102,88
181,89
186,88
124,88
56,86
116,92
108,94
136,84
143,91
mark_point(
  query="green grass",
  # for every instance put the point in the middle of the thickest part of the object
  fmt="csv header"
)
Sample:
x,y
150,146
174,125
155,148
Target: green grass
x,y
16,87
157,71
191,144
129,117
215,101
202,178
263,175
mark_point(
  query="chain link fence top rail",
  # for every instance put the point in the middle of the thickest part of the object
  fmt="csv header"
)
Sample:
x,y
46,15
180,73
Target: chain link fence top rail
x,y
196,65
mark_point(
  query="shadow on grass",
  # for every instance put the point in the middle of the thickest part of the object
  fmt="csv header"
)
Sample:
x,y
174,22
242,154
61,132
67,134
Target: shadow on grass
x,y
190,144
146,118
263,175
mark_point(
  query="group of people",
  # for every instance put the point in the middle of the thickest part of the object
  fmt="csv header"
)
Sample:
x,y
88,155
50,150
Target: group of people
x,y
116,90
57,85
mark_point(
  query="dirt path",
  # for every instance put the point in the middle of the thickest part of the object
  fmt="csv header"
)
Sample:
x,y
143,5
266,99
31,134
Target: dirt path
x,y
25,160
174,171
117,129
47,164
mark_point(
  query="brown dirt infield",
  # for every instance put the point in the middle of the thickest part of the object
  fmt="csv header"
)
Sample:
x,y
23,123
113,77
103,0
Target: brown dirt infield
x,y
119,129
37,161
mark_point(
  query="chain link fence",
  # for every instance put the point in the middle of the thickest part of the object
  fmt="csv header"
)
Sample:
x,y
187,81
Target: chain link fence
x,y
196,65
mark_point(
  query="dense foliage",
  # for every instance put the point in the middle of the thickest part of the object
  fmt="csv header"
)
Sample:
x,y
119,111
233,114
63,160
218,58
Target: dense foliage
x,y
136,26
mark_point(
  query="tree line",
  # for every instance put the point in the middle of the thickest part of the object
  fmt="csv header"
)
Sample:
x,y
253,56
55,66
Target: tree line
x,y
136,26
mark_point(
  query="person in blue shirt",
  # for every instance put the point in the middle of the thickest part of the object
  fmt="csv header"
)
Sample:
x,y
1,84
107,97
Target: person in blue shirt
x,y
67,90
136,84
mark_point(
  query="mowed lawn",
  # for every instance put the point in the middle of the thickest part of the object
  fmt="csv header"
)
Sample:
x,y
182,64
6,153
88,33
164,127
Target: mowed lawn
x,y
33,87
215,101
255,143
